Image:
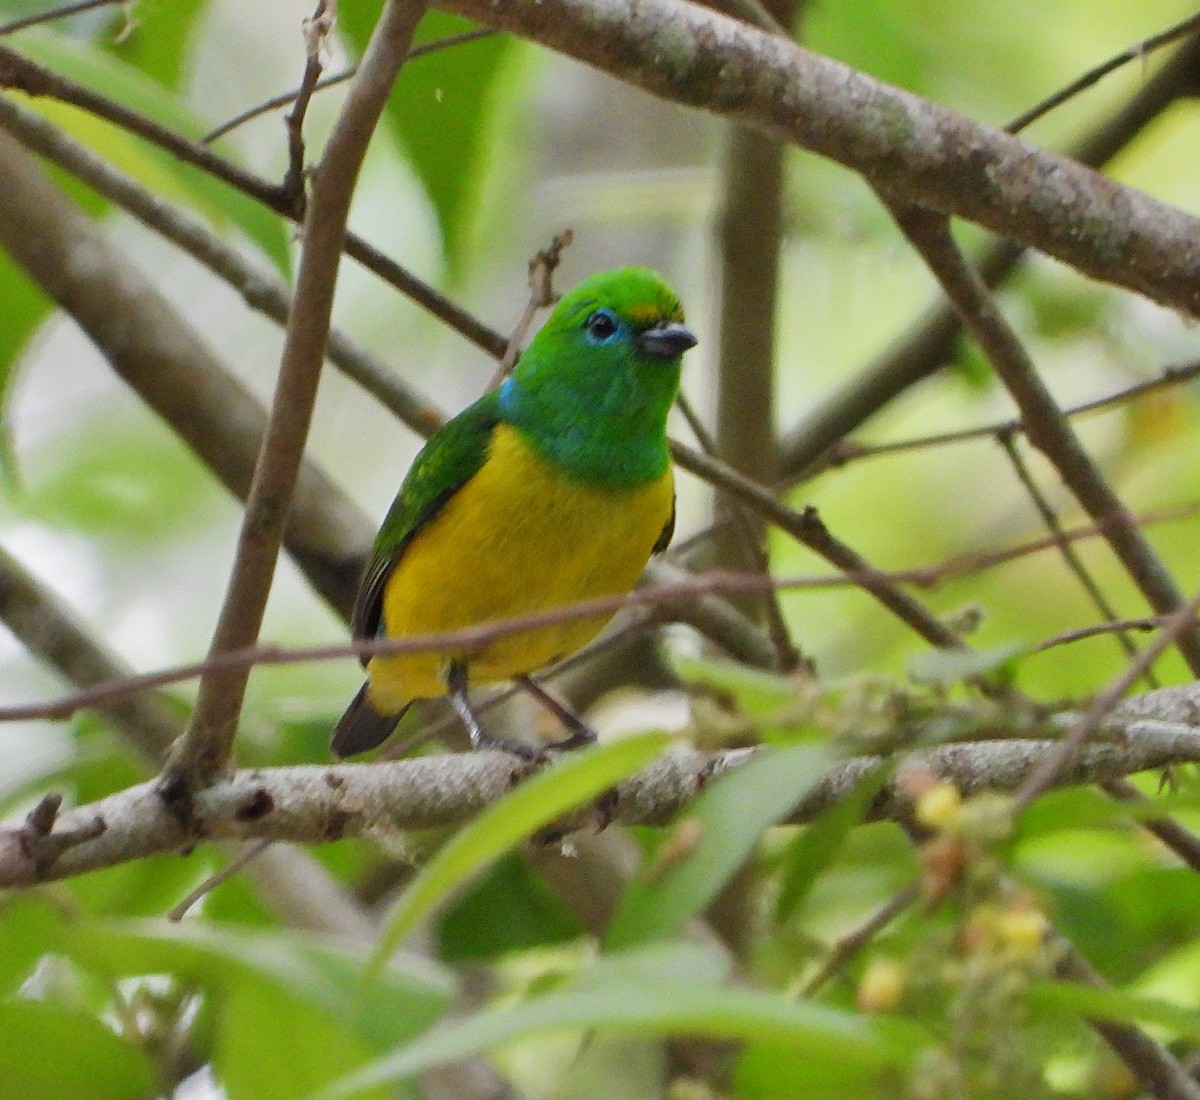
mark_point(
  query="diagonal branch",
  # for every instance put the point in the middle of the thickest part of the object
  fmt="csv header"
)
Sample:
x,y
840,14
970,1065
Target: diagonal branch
x,y
1045,425
165,361
204,750
915,150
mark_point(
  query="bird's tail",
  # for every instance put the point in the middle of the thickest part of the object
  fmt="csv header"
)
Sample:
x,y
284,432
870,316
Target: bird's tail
x,y
362,727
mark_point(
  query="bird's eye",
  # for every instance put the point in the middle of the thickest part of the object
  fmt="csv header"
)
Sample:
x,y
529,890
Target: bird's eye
x,y
601,326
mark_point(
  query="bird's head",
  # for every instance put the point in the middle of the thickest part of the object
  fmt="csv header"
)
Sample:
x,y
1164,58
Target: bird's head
x,y
595,386
626,316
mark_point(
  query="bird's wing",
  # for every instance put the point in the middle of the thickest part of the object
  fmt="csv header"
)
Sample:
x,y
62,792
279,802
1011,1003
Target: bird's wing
x,y
664,538
447,462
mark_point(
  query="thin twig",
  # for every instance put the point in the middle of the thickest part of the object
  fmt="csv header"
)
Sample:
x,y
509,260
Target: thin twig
x,y
333,80
789,657
930,343
1069,554
65,11
1069,637
847,452
1183,842
1155,1067
260,287
205,749
806,527
541,296
317,29
17,71
1045,426
1136,52
843,952
250,853
1071,745
682,598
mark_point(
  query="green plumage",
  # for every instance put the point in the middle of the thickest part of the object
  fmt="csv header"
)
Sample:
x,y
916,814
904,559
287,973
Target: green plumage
x,y
590,396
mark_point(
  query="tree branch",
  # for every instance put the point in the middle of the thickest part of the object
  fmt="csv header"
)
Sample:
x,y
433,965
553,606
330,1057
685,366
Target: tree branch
x,y
913,149
207,745
1045,425
312,804
167,364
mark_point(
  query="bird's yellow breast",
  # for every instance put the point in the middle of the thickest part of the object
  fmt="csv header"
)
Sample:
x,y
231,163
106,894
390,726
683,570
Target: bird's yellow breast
x,y
518,537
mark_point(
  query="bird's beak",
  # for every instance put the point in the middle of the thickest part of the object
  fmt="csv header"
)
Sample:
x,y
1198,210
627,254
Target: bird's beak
x,y
665,340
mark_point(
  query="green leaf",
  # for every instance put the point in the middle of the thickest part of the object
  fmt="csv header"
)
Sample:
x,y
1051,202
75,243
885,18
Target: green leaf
x,y
670,1006
570,782
819,843
730,817
1115,1004
405,996
27,925
778,1071
23,308
157,43
263,1053
510,908
440,109
49,1052
133,486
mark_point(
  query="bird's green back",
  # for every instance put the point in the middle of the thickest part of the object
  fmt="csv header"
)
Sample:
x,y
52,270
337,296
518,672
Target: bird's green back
x,y
451,457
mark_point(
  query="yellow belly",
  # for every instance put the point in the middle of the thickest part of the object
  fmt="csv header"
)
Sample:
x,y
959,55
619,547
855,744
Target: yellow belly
x,y
518,538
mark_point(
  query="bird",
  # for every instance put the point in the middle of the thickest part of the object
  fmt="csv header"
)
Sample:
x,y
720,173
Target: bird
x,y
554,487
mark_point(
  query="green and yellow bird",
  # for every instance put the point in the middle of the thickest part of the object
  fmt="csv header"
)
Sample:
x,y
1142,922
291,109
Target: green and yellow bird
x,y
554,488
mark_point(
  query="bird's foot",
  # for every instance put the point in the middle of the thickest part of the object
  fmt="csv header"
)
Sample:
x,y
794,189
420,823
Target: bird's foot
x,y
581,735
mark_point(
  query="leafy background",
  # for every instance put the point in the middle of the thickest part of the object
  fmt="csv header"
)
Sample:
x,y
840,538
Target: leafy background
x,y
485,152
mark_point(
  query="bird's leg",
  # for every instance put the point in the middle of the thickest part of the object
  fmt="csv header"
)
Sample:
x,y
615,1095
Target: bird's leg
x,y
456,681
581,734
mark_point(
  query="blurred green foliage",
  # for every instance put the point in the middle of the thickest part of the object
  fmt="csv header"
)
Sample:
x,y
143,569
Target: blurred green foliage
x,y
100,997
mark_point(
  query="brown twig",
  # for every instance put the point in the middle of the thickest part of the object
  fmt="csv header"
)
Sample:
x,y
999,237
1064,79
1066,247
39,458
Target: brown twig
x,y
848,451
1045,426
167,364
1151,1064
541,296
245,857
848,946
1067,550
287,98
259,286
806,527
17,71
1136,52
1183,842
1069,637
205,749
930,343
685,600
316,29
1068,749
750,540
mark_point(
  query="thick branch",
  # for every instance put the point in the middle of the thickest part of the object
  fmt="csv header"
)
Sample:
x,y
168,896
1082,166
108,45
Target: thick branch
x,y
312,804
166,363
904,145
